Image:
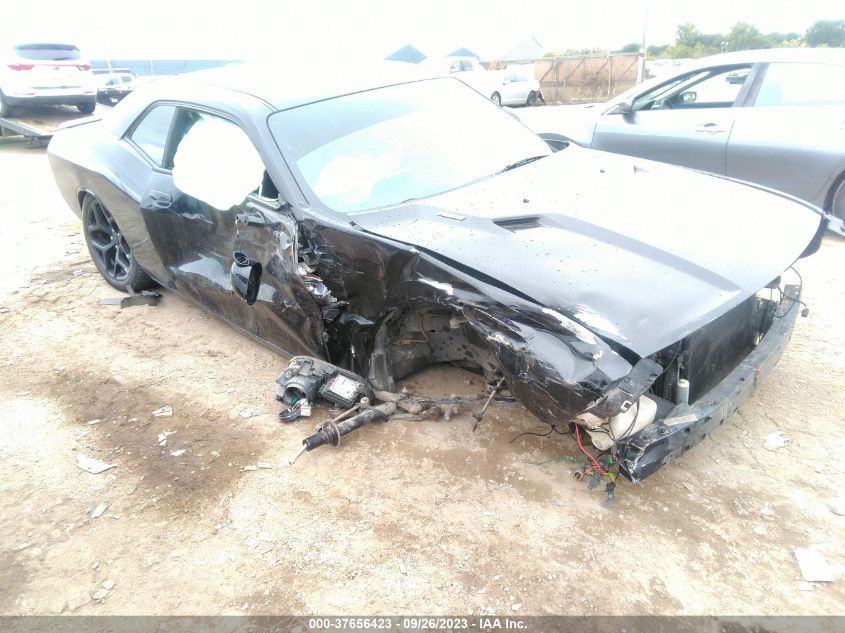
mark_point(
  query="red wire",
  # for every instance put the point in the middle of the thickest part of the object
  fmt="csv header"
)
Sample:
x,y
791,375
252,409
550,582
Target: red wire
x,y
583,450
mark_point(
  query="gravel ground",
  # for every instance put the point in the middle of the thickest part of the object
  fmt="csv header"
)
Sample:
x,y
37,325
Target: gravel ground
x,y
404,517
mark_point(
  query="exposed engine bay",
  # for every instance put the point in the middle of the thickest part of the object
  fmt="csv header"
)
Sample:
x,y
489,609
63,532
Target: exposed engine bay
x,y
665,404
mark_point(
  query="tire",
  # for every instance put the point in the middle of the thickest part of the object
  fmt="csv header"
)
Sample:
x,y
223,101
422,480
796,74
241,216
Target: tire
x,y
108,248
496,98
532,99
837,200
87,107
5,108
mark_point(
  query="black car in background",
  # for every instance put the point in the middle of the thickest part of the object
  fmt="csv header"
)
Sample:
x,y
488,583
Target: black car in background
x,y
114,86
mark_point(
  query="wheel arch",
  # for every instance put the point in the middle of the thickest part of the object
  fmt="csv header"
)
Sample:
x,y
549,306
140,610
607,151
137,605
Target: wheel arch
x,y
83,193
832,190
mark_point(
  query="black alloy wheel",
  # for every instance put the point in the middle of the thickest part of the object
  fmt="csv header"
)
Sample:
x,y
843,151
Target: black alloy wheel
x,y
109,249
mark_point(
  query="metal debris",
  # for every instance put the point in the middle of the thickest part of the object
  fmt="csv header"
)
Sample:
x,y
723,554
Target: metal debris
x,y
258,466
164,412
480,415
91,465
144,298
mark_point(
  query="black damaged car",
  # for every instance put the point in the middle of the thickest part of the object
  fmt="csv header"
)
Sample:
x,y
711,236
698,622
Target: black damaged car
x,y
389,223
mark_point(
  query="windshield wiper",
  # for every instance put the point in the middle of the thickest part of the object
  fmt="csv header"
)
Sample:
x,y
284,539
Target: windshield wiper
x,y
522,162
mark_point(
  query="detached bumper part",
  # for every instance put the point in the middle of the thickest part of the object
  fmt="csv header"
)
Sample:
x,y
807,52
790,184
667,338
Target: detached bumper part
x,y
686,425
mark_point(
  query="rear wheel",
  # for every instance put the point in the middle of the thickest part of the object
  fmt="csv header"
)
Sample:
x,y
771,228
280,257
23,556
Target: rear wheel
x,y
109,249
87,107
496,98
532,99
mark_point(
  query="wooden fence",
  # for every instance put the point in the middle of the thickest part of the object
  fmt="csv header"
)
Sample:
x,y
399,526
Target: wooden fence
x,y
585,79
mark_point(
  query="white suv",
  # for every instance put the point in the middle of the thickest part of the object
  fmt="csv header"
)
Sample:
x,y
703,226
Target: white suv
x,y
37,74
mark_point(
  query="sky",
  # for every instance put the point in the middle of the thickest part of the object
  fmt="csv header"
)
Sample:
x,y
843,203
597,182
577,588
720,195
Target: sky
x,y
304,31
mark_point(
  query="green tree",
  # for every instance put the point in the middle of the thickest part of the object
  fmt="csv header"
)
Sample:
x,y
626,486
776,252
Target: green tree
x,y
687,35
633,47
744,36
826,33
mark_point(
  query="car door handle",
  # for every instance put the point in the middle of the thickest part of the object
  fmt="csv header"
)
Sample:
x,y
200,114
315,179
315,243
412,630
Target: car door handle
x,y
156,200
710,128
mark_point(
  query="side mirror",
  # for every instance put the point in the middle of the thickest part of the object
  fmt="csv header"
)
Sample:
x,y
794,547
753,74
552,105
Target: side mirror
x,y
623,107
246,277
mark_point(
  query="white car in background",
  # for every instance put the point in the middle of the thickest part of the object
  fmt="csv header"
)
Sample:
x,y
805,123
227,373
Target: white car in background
x,y
45,74
515,86
512,86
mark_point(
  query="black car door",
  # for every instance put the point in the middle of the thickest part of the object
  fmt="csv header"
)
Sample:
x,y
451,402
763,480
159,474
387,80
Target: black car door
x,y
209,243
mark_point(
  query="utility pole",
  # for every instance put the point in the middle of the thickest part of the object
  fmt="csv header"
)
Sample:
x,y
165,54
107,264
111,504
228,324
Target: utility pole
x,y
641,60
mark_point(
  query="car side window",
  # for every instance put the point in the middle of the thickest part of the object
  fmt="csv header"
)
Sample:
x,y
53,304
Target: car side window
x,y
214,160
710,88
793,84
150,134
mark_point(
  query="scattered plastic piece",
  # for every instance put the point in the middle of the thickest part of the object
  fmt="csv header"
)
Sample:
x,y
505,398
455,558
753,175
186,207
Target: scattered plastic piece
x,y
178,453
776,440
91,465
162,437
164,412
97,512
609,489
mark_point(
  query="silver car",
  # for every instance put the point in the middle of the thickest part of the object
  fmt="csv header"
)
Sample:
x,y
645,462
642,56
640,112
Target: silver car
x,y
772,117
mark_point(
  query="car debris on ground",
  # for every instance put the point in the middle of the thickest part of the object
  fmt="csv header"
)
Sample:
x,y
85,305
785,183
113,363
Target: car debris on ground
x,y
308,379
776,440
143,298
97,512
91,465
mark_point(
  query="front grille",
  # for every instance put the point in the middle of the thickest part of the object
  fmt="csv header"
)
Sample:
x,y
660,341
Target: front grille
x,y
716,349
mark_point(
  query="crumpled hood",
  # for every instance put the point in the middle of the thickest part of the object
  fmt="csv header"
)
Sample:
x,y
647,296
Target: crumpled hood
x,y
639,252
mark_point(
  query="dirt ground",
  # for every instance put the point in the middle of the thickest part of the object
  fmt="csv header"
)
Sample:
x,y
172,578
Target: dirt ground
x,y
405,517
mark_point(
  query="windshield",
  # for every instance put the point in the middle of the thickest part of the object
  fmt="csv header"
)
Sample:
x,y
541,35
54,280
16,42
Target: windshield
x,y
399,143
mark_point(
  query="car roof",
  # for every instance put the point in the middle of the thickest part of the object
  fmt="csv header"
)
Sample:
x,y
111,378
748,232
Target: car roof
x,y
288,86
